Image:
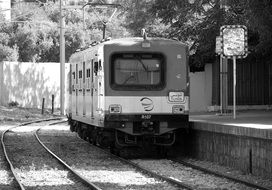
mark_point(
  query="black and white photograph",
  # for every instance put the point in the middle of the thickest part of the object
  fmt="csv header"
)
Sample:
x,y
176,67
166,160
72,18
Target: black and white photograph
x,y
136,94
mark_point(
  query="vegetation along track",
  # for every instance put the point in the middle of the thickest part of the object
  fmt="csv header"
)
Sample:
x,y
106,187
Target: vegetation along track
x,y
32,166
102,168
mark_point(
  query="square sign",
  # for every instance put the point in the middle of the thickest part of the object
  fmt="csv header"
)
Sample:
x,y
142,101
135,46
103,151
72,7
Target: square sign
x,y
234,41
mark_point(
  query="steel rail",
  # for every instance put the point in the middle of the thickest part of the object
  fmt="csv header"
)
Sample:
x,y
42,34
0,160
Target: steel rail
x,y
148,172
17,179
82,178
218,174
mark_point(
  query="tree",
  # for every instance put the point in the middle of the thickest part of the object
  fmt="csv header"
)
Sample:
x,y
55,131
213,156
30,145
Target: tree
x,y
260,18
198,24
7,53
37,32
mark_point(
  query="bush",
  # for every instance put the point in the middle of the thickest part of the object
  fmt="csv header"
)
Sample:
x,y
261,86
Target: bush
x,y
13,104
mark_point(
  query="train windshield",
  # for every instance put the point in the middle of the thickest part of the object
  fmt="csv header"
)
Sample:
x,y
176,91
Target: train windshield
x,y
137,70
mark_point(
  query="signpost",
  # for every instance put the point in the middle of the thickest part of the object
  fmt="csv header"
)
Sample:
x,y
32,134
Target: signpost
x,y
234,45
218,50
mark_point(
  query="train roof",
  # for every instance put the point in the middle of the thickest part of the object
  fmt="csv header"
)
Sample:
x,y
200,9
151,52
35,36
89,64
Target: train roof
x,y
132,40
128,42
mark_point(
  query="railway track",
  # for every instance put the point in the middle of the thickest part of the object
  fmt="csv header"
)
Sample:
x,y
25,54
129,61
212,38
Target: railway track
x,y
102,168
7,182
179,181
218,180
33,167
179,184
98,169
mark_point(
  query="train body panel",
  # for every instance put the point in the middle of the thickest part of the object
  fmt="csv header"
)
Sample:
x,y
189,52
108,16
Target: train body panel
x,y
147,104
134,86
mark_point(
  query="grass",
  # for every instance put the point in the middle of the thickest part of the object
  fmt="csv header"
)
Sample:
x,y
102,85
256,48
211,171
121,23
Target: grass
x,y
9,115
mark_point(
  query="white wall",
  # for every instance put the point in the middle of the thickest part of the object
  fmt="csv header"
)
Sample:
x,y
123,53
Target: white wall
x,y
5,6
28,83
201,89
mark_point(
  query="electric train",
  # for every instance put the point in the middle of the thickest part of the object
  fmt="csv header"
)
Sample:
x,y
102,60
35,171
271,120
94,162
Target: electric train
x,y
129,92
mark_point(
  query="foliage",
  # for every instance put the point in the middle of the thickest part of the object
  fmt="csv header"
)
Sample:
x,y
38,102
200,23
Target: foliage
x,y
197,24
7,52
260,18
35,34
13,104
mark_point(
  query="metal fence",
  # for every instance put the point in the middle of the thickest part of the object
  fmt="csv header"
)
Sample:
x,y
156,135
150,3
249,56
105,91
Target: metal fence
x,y
254,82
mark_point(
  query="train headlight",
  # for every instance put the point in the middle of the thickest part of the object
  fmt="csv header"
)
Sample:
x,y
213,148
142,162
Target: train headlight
x,y
115,108
176,96
178,109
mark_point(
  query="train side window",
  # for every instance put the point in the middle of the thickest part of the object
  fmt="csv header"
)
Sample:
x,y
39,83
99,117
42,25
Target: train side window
x,y
80,74
73,80
88,73
95,67
83,71
92,69
80,81
76,73
100,65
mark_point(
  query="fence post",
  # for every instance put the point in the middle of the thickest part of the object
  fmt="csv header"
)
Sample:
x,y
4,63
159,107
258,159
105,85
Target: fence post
x,y
43,105
53,97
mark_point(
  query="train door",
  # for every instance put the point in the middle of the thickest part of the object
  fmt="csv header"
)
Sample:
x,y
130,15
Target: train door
x,y
92,88
95,88
100,87
76,89
88,97
80,90
73,88
84,89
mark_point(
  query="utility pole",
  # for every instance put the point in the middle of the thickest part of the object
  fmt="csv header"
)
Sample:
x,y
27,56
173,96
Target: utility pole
x,y
62,60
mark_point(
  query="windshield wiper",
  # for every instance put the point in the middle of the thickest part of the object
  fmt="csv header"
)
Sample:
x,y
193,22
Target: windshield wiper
x,y
143,65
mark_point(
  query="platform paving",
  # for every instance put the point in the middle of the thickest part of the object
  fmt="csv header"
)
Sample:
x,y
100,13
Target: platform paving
x,y
251,118
253,123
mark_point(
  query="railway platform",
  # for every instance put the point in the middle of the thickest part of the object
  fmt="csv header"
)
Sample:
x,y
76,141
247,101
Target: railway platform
x,y
244,143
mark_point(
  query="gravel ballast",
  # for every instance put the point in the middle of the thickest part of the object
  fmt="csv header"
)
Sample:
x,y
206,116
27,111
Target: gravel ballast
x,y
193,177
101,168
35,167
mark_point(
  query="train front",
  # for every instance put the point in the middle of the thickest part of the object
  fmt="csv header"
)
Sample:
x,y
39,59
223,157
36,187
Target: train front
x,y
146,90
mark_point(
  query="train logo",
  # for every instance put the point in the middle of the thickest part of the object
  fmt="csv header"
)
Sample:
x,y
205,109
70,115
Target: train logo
x,y
147,103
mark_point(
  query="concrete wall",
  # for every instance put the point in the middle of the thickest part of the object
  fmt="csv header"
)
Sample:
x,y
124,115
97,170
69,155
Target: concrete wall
x,y
28,83
201,89
247,149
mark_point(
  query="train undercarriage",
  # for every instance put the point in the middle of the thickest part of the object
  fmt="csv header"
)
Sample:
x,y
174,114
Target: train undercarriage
x,y
145,142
